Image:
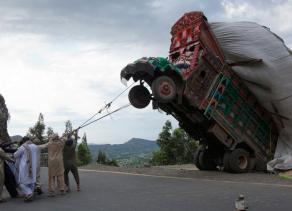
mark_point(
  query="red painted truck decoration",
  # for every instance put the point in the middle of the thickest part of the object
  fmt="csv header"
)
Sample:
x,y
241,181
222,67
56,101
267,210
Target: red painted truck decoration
x,y
198,88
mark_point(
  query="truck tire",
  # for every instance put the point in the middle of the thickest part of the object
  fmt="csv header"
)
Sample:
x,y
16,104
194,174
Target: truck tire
x,y
252,163
139,96
226,157
164,89
239,161
196,157
206,162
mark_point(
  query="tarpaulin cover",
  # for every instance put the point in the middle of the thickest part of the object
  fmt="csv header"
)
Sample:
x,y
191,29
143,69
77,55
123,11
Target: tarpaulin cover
x,y
270,80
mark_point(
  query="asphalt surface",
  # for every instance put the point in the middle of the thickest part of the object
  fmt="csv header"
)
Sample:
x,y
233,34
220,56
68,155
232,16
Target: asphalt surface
x,y
101,190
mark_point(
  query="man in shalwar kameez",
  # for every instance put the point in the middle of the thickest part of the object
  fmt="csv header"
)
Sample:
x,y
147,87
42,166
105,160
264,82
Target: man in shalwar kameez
x,y
38,185
26,159
55,164
3,156
69,156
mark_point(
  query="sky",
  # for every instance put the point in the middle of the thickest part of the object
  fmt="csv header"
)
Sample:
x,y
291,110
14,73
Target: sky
x,y
63,58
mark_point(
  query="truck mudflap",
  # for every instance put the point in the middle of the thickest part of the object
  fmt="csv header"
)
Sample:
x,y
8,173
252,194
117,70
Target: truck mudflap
x,y
137,70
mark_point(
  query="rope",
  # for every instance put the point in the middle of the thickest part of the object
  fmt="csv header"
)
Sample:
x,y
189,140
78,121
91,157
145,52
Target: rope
x,y
107,105
281,99
89,123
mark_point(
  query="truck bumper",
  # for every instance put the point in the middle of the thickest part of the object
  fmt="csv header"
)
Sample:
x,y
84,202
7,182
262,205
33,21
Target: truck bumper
x,y
138,71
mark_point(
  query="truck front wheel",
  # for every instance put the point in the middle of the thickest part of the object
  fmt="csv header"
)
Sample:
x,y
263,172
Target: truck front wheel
x,y
226,158
239,161
164,89
196,157
204,160
139,96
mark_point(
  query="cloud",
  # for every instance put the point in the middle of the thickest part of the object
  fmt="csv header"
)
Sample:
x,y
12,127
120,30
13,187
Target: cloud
x,y
276,15
63,83
108,21
79,20
131,21
63,58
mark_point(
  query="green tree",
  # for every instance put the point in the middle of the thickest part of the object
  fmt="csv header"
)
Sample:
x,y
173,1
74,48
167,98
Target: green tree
x,y
84,139
113,162
191,146
166,144
50,132
101,157
83,152
159,158
165,135
37,131
68,127
176,146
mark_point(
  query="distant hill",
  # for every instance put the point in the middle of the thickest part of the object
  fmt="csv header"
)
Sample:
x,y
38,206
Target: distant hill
x,y
135,152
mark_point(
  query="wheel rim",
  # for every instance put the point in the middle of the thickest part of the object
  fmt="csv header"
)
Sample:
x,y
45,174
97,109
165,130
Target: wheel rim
x,y
166,89
242,162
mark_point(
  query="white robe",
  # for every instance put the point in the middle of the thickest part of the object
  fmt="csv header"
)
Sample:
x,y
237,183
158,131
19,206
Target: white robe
x,y
23,169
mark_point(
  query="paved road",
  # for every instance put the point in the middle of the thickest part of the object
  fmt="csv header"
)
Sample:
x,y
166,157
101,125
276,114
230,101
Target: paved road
x,y
120,191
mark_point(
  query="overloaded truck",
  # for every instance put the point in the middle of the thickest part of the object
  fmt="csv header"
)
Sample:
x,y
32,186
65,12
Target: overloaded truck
x,y
197,87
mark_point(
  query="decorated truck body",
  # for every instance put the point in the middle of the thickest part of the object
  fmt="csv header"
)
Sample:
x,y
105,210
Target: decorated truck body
x,y
197,87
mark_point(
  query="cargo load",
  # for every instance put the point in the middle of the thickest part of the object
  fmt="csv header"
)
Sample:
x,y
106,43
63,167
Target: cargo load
x,y
270,79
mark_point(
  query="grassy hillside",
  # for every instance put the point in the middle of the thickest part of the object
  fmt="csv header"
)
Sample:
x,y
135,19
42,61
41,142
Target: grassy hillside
x,y
135,152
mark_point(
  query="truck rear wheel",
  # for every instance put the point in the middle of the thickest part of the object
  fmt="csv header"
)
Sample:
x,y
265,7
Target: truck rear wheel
x,y
139,96
239,161
164,89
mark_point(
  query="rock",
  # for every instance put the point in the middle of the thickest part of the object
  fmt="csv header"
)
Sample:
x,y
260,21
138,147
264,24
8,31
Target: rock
x,y
4,117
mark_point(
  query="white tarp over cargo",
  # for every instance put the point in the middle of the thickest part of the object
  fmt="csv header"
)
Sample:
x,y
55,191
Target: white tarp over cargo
x,y
270,80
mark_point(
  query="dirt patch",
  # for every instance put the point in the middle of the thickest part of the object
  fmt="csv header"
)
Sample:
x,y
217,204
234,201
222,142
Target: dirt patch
x,y
188,167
